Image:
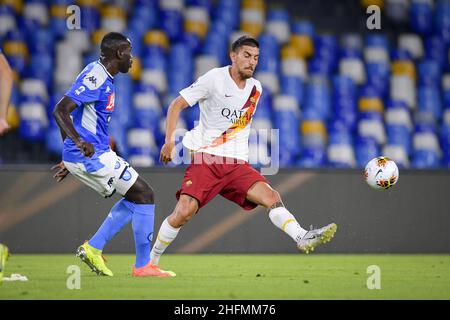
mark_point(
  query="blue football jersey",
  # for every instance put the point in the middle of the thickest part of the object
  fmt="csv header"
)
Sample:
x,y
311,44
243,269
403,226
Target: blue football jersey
x,y
93,91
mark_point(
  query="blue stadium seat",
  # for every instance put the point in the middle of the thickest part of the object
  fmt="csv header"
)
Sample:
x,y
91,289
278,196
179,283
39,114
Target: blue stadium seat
x,y
278,24
216,47
40,67
345,86
41,40
366,148
136,42
399,135
118,133
312,156
35,14
378,40
318,98
264,110
180,58
200,3
429,100
344,101
324,61
352,41
340,146
269,59
90,18
435,49
286,120
425,159
442,20
181,68
303,27
445,143
8,18
319,67
378,77
191,116
351,64
145,16
421,19
446,97
228,19
339,133
220,28
147,108
154,57
371,124
58,19
368,93
400,54
425,119
123,99
33,119
293,86
427,150
193,41
171,22
53,139
429,73
15,48
154,66
142,148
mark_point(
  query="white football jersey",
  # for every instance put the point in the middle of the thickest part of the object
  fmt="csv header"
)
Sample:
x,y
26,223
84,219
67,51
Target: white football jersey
x,y
226,114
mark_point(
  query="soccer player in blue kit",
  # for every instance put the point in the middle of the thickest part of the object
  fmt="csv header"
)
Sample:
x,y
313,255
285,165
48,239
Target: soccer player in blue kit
x,y
87,156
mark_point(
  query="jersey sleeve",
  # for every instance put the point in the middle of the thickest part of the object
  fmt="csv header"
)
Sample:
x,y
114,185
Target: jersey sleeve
x,y
199,90
86,89
259,87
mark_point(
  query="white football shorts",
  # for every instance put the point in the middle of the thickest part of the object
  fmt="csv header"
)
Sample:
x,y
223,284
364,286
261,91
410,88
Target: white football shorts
x,y
106,174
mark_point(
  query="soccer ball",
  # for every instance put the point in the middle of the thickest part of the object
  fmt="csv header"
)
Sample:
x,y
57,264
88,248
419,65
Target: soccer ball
x,y
381,173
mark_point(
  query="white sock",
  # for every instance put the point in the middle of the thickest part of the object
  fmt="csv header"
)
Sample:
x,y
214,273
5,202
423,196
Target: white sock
x,y
166,235
284,220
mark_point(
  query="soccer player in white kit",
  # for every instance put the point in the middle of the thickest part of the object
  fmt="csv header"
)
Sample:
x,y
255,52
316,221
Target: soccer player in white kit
x,y
228,98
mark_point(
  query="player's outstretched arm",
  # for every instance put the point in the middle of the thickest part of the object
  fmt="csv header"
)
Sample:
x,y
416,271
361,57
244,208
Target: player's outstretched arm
x,y
6,83
173,114
61,113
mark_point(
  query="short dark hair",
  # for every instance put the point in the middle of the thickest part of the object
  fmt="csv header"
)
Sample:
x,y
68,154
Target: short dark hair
x,y
111,42
244,41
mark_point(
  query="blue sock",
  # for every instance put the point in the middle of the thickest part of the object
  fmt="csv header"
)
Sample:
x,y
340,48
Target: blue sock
x,y
119,216
142,222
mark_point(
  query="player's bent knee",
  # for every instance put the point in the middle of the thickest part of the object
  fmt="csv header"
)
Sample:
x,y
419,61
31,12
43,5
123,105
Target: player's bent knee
x,y
185,210
185,213
272,199
141,193
148,194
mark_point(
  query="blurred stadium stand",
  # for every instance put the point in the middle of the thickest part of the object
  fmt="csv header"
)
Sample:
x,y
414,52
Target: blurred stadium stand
x,y
340,94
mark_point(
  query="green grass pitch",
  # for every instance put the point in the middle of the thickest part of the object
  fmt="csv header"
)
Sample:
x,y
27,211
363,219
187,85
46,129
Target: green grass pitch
x,y
287,277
